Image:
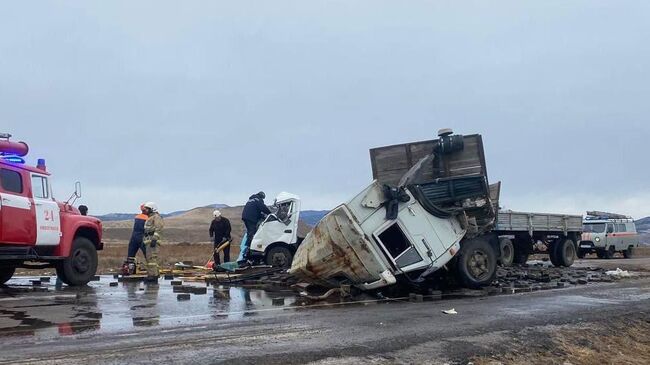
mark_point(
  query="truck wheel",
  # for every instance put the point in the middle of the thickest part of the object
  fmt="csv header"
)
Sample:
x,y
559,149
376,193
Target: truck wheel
x,y
477,263
522,251
81,265
507,252
521,256
565,252
628,253
552,253
6,273
609,253
279,256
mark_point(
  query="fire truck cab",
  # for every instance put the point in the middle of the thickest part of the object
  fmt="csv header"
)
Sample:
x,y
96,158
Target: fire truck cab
x,y
36,231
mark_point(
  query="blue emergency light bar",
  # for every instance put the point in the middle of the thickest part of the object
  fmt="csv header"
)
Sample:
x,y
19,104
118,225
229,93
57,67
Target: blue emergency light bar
x,y
13,159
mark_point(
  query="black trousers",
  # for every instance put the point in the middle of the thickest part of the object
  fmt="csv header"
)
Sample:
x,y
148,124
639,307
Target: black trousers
x,y
251,229
226,253
135,244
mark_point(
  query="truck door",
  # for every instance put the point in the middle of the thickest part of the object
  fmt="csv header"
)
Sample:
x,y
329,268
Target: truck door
x,y
48,220
17,219
416,238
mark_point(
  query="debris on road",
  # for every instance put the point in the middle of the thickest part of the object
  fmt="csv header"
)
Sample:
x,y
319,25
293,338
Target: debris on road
x,y
619,274
450,311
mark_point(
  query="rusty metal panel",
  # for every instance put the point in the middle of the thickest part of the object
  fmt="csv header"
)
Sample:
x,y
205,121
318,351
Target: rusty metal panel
x,y
336,251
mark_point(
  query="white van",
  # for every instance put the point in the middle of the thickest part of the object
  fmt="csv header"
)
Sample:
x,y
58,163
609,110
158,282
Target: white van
x,y
608,233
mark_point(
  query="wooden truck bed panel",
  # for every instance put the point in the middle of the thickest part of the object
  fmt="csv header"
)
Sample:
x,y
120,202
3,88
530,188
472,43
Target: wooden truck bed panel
x,y
390,163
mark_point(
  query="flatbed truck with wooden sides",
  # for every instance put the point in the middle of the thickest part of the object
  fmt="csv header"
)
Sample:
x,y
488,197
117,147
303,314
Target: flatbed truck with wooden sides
x,y
429,210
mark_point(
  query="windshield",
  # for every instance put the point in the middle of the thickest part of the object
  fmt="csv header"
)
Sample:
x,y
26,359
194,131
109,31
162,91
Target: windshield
x,y
594,228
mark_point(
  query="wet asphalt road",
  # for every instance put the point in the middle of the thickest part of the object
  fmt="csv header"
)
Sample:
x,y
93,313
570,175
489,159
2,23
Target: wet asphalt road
x,y
135,323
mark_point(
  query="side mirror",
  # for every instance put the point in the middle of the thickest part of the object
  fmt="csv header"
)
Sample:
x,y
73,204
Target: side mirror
x,y
76,195
77,189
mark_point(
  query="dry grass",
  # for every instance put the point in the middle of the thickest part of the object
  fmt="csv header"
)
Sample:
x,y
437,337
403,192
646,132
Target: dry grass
x,y
622,341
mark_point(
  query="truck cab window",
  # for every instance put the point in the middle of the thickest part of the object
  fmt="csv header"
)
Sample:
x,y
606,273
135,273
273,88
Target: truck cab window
x,y
39,187
12,181
394,240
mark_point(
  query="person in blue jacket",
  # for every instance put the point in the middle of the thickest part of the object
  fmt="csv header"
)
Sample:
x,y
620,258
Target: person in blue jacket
x,y
135,243
254,211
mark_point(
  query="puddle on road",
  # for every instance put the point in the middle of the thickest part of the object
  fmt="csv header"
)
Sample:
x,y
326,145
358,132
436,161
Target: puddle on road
x,y
69,311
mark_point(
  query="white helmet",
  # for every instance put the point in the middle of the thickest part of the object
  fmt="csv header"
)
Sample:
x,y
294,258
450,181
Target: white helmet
x,y
152,206
216,214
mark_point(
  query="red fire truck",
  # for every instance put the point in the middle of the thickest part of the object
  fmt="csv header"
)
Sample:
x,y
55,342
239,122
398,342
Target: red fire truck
x,y
36,231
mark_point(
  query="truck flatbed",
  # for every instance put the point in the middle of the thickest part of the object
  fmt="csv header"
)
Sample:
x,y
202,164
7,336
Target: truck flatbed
x,y
509,221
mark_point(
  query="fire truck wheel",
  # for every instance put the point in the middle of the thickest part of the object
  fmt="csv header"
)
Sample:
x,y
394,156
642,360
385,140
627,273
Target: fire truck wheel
x,y
81,265
279,256
6,273
507,252
628,253
565,252
477,263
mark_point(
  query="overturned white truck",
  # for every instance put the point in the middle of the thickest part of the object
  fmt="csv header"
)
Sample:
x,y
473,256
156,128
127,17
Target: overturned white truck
x,y
430,208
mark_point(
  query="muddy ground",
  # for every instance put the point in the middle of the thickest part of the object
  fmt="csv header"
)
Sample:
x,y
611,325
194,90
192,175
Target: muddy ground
x,y
138,323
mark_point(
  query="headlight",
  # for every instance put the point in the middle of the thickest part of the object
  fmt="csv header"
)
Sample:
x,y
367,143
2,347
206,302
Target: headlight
x,y
597,239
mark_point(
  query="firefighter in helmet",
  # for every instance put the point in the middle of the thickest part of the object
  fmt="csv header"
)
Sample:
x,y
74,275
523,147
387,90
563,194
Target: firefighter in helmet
x,y
152,238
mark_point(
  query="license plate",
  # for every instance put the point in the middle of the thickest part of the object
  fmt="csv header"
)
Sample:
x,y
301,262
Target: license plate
x,y
585,246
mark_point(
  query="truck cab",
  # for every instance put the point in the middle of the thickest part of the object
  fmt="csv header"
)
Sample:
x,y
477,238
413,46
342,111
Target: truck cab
x,y
36,231
608,233
277,238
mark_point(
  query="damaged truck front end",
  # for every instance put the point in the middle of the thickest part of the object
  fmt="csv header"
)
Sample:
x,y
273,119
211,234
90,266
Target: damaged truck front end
x,y
356,243
430,206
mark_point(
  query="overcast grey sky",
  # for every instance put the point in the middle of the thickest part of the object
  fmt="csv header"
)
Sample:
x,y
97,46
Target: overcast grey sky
x,y
197,102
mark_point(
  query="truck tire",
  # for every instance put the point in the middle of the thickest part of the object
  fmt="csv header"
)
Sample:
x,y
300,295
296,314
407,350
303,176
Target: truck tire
x,y
565,252
522,251
477,263
628,253
552,253
507,252
279,256
6,273
608,254
80,267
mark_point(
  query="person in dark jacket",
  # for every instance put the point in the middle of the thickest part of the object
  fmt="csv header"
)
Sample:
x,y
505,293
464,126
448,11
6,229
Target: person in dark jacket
x,y
254,211
135,243
220,232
